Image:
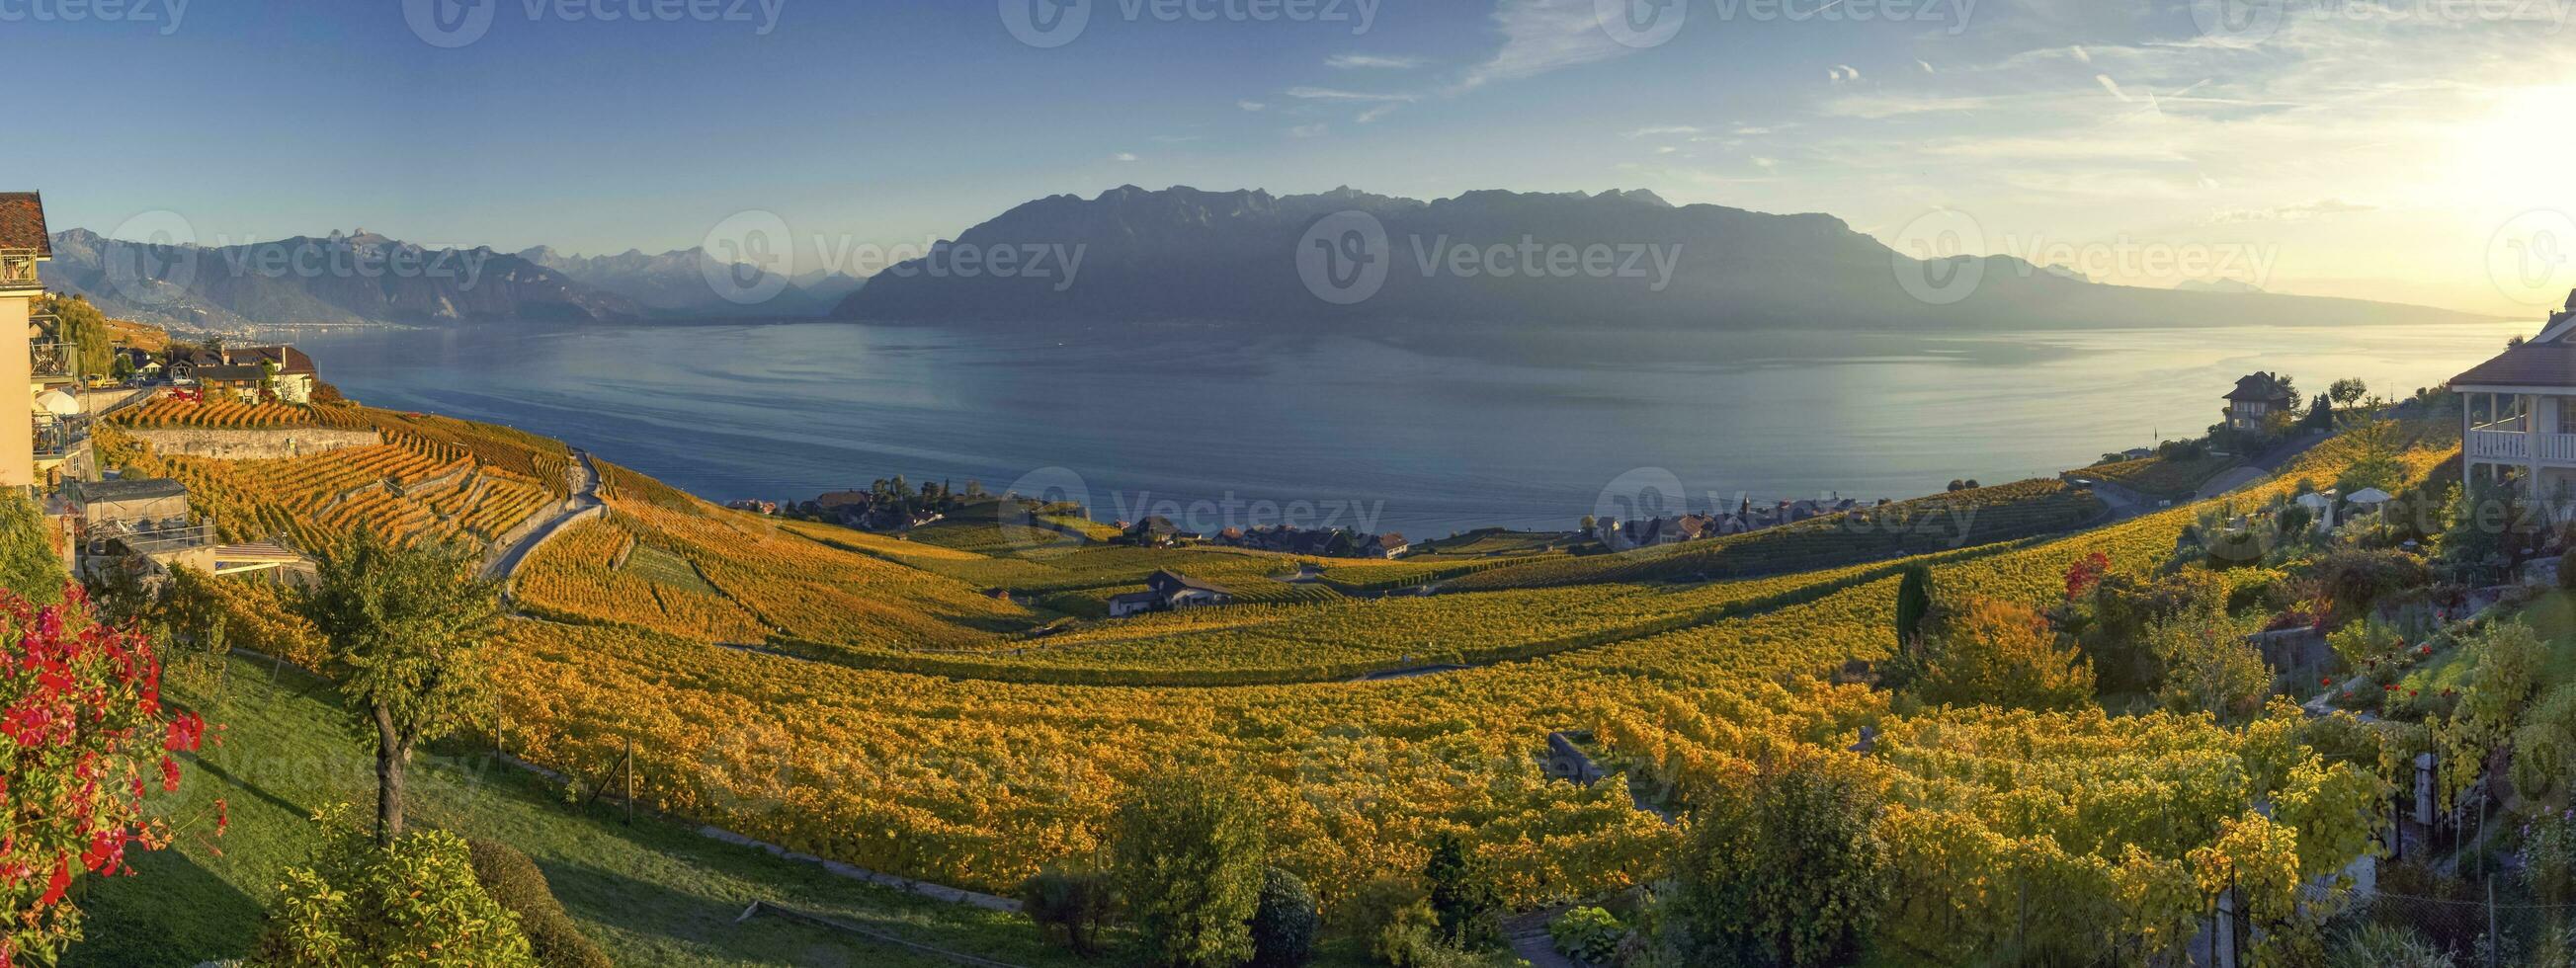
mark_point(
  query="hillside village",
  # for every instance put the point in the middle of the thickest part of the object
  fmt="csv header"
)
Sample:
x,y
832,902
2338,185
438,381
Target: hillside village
x,y
2332,685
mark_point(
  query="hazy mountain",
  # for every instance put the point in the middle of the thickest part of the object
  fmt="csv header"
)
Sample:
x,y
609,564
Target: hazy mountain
x,y
340,278
679,284
2235,286
1461,265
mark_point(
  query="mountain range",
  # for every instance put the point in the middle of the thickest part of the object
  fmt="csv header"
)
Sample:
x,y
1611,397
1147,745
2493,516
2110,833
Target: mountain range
x,y
1504,262
362,277
1564,268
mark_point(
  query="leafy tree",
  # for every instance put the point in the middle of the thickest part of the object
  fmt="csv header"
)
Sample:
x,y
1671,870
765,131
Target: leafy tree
x,y
1787,871
83,326
1913,603
29,566
2376,465
1462,892
2488,528
1188,857
406,628
411,902
1070,906
1284,923
2003,653
2347,391
2208,665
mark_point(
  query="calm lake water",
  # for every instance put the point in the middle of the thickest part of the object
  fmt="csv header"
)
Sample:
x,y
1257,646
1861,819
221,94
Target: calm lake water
x,y
1386,438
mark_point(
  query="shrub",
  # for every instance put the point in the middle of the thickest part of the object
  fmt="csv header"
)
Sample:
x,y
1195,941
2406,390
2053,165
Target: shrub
x,y
2389,946
1462,892
1788,872
1587,934
2005,654
1070,906
517,885
2567,571
1188,860
412,903
1284,922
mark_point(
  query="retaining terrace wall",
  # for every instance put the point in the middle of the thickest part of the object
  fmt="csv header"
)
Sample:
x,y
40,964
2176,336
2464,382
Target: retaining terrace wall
x,y
253,444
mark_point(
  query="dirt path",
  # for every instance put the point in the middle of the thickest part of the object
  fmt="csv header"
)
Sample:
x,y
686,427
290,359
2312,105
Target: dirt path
x,y
583,503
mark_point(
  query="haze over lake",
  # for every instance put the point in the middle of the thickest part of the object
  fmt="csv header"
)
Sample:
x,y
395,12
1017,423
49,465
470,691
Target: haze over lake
x,y
1394,439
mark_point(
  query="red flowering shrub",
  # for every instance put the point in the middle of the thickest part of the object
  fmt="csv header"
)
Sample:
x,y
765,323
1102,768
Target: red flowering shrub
x,y
84,740
2085,573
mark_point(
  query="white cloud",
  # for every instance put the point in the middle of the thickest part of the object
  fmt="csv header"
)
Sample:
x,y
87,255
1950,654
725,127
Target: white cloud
x,y
2112,86
1123,156
1659,131
1306,131
2289,213
1541,36
1337,94
1250,105
1926,66
1842,73
1362,62
1377,112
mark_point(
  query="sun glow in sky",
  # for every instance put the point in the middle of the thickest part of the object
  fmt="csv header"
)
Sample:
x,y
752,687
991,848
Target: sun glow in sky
x,y
2404,150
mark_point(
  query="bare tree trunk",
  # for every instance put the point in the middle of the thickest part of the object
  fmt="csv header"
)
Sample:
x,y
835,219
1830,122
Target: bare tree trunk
x,y
389,779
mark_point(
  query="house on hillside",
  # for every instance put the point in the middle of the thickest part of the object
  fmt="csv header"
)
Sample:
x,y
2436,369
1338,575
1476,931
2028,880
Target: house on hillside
x,y
1167,591
2518,416
248,370
2257,397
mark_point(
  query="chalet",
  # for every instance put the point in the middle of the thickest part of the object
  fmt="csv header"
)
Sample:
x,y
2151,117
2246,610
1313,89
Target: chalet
x,y
2518,415
2257,398
1156,531
1166,591
249,370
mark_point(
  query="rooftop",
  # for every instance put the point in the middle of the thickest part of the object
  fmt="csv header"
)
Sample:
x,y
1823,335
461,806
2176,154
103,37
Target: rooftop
x,y
22,223
2551,364
137,489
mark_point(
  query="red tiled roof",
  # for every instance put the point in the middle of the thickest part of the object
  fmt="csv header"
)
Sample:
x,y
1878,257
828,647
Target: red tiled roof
x,y
2550,364
22,223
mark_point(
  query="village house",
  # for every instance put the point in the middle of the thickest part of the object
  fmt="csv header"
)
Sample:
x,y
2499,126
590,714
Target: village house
x,y
247,371
2518,415
2257,398
1315,542
1165,591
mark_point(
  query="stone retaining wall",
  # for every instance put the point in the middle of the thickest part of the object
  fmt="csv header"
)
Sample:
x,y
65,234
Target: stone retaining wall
x,y
253,444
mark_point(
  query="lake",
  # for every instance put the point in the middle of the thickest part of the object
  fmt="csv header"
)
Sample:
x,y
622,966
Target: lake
x,y
1218,431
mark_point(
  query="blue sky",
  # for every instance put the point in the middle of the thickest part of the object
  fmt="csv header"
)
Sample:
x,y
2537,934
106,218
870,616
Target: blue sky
x,y
2329,146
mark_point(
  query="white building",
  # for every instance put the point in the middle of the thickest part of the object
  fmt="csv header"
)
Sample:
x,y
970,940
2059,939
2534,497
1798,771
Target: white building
x,y
2518,413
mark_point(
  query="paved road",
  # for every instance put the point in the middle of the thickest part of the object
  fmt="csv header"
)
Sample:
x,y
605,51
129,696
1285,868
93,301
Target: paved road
x,y
584,501
2259,468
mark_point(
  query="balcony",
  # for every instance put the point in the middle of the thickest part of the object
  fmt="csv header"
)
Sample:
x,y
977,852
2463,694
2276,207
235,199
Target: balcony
x,y
18,270
148,537
53,361
57,439
2514,446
